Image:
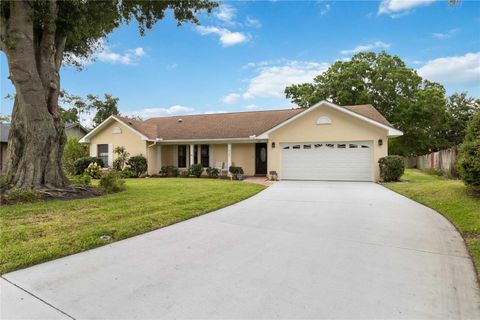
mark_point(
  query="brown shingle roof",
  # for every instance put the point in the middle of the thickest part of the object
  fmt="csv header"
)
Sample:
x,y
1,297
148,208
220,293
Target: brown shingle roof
x,y
226,125
369,111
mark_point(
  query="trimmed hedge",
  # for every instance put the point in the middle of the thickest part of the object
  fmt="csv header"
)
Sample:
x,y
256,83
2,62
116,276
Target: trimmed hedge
x,y
391,168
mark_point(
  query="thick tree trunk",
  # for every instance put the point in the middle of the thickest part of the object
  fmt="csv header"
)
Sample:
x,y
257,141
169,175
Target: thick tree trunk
x,y
37,137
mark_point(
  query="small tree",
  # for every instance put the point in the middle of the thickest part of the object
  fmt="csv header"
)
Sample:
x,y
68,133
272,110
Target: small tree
x,y
121,159
468,164
138,164
73,151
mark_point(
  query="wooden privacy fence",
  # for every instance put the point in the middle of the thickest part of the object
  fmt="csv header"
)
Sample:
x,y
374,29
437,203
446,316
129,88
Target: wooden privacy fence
x,y
443,160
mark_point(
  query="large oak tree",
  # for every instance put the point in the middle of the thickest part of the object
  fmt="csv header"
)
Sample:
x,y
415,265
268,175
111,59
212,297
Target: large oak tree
x,y
37,36
412,104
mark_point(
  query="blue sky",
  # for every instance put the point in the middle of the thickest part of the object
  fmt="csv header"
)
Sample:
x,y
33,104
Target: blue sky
x,y
245,53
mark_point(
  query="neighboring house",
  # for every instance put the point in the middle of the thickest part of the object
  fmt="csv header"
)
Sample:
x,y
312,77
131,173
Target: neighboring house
x,y
323,142
71,130
4,129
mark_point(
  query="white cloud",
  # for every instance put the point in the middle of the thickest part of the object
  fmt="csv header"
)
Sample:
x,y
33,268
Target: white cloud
x,y
457,70
226,13
367,47
272,80
251,107
159,112
171,66
251,22
397,7
325,10
231,98
446,35
215,111
104,53
227,38
139,52
128,58
263,63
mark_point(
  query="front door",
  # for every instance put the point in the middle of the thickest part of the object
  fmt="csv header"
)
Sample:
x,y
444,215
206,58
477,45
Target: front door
x,y
261,158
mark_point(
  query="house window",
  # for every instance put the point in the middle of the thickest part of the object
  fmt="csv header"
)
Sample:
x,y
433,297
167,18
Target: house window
x,y
341,145
330,145
318,145
182,156
205,158
195,154
102,152
352,145
307,146
297,146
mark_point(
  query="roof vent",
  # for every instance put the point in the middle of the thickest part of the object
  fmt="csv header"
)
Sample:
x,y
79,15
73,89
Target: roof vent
x,y
180,120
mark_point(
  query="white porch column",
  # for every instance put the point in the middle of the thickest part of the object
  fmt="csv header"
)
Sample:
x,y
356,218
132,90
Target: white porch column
x,y
229,156
159,157
192,160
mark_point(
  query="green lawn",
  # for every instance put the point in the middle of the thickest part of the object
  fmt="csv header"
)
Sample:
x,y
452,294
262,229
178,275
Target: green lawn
x,y
34,233
449,198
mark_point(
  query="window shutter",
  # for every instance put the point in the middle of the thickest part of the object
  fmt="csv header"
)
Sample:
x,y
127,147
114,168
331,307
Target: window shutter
x,y
93,150
110,155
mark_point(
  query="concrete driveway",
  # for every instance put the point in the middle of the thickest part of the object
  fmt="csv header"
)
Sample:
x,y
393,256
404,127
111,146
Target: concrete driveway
x,y
296,250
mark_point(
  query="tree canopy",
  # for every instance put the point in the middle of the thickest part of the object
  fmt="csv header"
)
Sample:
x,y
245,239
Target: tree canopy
x,y
412,104
37,37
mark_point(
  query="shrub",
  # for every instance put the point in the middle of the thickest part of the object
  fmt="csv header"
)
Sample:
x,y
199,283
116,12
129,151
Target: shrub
x,y
125,174
184,173
81,164
73,151
93,170
137,164
237,172
121,159
195,170
468,163
212,172
391,168
169,171
15,195
81,180
110,182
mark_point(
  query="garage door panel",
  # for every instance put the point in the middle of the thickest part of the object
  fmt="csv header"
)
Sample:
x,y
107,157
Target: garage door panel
x,y
327,161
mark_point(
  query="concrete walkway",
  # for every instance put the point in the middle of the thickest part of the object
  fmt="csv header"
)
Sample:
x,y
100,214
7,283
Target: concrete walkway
x,y
296,250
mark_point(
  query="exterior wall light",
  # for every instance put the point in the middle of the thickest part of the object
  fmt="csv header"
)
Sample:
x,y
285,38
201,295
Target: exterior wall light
x,y
380,142
273,145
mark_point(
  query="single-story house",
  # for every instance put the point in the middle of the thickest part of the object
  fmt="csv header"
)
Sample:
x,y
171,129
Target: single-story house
x,y
75,129
323,142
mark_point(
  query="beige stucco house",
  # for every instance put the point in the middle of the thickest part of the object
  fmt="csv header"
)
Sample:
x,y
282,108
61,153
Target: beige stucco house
x,y
323,142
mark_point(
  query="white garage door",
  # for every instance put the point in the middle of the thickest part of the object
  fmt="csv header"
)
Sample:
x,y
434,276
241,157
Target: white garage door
x,y
348,161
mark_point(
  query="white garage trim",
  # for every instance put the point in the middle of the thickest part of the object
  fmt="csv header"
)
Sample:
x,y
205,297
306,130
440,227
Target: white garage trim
x,y
335,161
392,132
